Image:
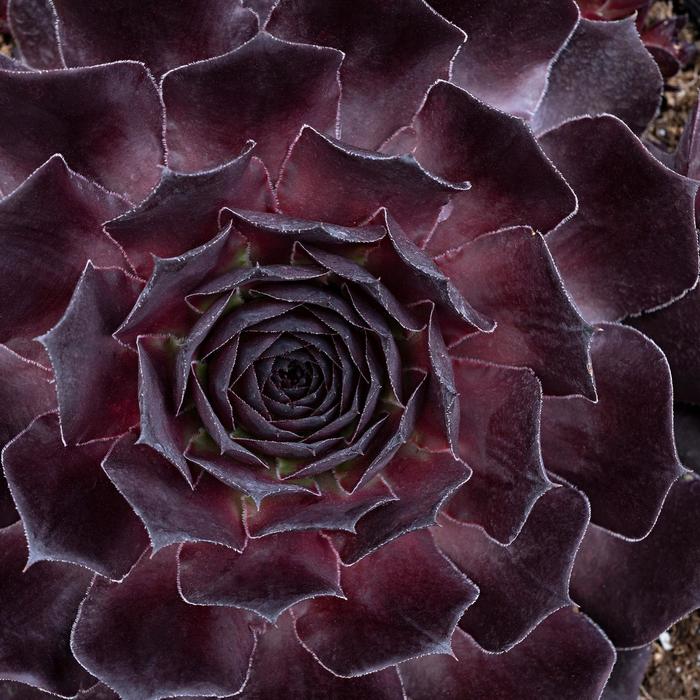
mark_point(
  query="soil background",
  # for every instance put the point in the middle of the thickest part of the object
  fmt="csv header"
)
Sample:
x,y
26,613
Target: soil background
x,y
674,670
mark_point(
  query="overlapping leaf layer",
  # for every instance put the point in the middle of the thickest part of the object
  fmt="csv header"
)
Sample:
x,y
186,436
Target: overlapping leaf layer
x,y
333,351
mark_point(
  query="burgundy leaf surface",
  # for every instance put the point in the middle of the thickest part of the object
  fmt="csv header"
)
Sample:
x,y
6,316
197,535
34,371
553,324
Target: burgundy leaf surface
x,y
403,600
617,258
37,466
146,643
619,450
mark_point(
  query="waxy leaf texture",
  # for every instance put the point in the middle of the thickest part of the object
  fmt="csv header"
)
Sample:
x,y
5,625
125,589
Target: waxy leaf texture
x,y
348,350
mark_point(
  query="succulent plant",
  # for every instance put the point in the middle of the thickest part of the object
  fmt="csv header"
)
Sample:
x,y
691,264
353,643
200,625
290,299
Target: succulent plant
x,y
662,37
323,369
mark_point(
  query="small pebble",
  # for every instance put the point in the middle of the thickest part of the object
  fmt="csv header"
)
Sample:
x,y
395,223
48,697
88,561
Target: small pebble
x,y
665,639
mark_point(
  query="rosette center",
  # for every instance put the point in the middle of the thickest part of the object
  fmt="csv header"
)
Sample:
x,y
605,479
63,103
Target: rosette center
x,y
292,375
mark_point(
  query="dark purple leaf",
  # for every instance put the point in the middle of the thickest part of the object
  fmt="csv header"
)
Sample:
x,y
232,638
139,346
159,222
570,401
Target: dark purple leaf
x,y
49,227
499,438
627,674
327,180
160,429
510,276
25,393
565,658
524,582
38,607
169,507
603,69
154,33
459,138
283,668
38,467
141,639
411,46
619,451
161,307
256,482
32,24
632,244
331,509
183,211
265,90
272,574
636,590
114,108
96,376
676,328
506,62
421,480
403,600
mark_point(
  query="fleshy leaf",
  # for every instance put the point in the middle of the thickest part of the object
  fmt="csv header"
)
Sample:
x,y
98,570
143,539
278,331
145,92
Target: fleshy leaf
x,y
32,24
403,600
49,227
565,658
283,668
262,9
506,63
161,429
619,451
187,350
327,180
265,90
38,607
392,434
9,690
96,376
459,138
8,511
8,63
603,69
258,483
624,585
161,307
421,480
499,438
627,674
114,108
358,274
510,276
140,638
25,393
421,280
99,691
182,212
154,33
171,510
272,236
38,467
676,328
524,582
272,574
331,509
631,246
383,86
241,276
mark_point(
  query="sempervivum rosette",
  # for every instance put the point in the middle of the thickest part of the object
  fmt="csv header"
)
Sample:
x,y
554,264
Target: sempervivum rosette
x,y
315,381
